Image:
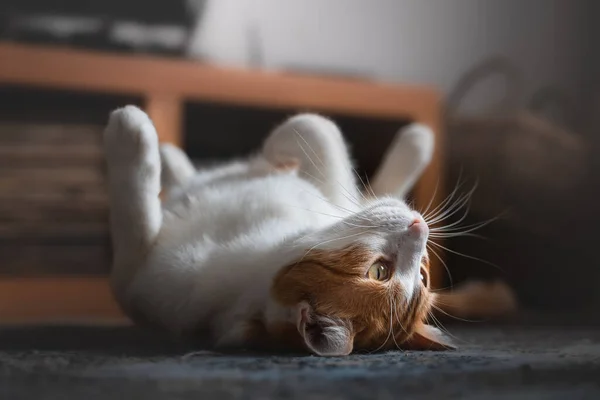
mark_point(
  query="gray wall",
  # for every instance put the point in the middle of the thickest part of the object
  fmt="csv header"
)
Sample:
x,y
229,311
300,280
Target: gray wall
x,y
422,41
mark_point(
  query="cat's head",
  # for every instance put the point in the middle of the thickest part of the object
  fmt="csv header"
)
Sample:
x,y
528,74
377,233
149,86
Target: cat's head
x,y
363,285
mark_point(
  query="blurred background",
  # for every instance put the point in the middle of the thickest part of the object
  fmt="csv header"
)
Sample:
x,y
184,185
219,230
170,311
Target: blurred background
x,y
519,114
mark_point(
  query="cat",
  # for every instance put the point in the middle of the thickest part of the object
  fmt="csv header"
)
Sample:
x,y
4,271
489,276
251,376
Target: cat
x,y
280,250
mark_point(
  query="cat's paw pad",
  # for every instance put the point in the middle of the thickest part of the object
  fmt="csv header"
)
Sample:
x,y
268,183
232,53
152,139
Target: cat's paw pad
x,y
129,135
418,138
287,165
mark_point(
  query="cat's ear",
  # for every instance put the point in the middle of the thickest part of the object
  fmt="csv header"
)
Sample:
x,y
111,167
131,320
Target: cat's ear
x,y
324,336
427,337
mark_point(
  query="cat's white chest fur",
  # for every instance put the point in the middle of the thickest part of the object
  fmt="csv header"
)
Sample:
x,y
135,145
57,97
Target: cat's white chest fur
x,y
266,208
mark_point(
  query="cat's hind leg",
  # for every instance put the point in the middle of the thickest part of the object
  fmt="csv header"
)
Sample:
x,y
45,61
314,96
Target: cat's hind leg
x,y
177,169
133,164
317,145
408,155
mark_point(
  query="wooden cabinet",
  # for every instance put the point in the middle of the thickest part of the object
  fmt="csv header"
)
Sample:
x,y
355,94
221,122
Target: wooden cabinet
x,y
183,98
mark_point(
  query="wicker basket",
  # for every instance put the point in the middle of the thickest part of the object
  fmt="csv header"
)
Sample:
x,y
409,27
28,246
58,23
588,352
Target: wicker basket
x,y
520,158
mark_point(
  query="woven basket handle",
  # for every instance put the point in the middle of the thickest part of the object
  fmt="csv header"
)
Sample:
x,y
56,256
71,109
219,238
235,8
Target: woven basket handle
x,y
550,98
491,66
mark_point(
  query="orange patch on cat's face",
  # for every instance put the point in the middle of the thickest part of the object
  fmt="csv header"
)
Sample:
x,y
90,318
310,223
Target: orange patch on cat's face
x,y
335,284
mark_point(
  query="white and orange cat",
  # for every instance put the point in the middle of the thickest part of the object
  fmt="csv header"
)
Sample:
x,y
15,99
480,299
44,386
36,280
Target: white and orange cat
x,y
280,250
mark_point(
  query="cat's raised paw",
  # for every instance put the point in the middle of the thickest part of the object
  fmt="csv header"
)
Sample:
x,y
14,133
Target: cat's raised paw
x,y
419,140
129,136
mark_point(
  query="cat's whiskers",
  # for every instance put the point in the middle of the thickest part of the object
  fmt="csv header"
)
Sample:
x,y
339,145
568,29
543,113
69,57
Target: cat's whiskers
x,y
426,210
440,326
441,259
331,240
359,226
440,289
348,197
395,311
448,208
447,199
450,315
459,221
445,331
399,321
369,188
390,332
333,216
451,210
456,208
443,236
467,256
318,158
311,176
328,201
443,204
348,211
298,240
458,204
469,228
452,230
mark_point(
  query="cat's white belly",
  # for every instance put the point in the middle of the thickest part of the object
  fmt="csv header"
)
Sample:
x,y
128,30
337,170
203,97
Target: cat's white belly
x,y
222,243
227,212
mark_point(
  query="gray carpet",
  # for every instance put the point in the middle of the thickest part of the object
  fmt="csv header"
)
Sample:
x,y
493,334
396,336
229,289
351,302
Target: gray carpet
x,y
533,361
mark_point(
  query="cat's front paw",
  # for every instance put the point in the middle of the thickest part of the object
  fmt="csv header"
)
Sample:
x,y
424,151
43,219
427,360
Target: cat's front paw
x,y
418,140
130,136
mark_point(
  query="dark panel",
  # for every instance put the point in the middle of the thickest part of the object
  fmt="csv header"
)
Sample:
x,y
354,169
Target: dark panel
x,y
53,201
217,132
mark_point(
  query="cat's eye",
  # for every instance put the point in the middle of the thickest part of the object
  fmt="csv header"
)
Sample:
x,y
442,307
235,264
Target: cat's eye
x,y
424,276
379,271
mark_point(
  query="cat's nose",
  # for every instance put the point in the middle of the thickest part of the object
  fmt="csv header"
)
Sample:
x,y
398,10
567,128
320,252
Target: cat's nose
x,y
418,226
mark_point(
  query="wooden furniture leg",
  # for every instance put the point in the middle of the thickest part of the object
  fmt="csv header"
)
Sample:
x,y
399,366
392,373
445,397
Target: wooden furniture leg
x,y
166,111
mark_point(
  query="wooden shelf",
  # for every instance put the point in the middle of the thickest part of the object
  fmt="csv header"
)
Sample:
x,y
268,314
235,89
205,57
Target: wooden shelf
x,y
166,84
149,76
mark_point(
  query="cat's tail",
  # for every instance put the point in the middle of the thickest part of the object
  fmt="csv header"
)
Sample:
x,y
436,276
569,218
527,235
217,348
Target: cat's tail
x,y
176,167
476,300
406,159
